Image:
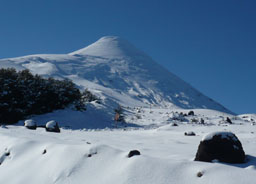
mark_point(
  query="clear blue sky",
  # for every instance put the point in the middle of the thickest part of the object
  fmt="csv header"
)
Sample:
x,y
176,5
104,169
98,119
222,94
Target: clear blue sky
x,y
210,44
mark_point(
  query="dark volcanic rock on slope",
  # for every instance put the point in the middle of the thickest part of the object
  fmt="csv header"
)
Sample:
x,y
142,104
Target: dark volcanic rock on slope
x,y
221,146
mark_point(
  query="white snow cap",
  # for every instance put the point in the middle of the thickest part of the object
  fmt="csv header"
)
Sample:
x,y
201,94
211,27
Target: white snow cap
x,y
29,123
109,47
224,135
51,124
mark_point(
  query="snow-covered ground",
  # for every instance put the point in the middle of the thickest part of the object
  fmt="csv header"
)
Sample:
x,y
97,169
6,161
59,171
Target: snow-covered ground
x,y
100,156
92,148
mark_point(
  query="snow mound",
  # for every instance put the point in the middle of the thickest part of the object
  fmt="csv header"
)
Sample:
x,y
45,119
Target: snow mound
x,y
41,68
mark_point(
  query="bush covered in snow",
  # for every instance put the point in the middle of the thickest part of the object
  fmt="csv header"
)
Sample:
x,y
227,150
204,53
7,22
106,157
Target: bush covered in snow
x,y
23,94
119,116
87,96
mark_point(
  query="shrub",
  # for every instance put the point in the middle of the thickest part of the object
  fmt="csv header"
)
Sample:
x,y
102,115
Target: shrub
x,y
87,96
23,94
119,116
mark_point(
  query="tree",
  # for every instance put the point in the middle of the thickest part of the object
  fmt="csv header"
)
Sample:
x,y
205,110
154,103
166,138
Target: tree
x,y
23,94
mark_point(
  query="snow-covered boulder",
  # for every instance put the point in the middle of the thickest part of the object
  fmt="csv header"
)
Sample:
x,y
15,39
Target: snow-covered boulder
x,y
191,113
30,124
221,146
52,126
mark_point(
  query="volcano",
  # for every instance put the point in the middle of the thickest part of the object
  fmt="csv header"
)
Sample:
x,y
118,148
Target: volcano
x,y
114,69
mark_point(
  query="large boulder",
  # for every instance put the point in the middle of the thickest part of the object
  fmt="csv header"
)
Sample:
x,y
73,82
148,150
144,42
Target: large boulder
x,y
191,113
52,126
221,146
30,124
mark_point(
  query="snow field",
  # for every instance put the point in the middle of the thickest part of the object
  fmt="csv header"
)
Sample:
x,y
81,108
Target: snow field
x,y
101,156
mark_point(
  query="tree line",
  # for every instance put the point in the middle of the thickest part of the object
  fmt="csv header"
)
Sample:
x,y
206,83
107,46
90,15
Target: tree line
x,y
23,94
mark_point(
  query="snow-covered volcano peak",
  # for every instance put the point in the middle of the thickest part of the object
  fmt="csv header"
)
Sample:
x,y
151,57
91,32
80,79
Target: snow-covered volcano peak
x,y
117,71
109,47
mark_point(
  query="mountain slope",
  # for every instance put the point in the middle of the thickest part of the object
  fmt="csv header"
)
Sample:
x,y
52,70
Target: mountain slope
x,y
115,70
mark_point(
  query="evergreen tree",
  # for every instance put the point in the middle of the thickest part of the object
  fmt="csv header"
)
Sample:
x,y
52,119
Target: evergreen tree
x,y
23,94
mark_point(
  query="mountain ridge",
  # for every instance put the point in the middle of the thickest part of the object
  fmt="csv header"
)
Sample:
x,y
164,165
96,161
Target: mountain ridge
x,y
115,69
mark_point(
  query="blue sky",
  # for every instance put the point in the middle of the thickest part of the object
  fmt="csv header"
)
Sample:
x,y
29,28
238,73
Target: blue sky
x,y
209,44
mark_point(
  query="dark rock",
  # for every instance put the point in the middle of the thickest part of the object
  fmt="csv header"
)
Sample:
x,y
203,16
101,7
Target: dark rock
x,y
4,126
199,174
194,120
41,126
90,154
31,127
133,153
189,133
201,121
44,152
191,113
229,120
174,124
221,146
